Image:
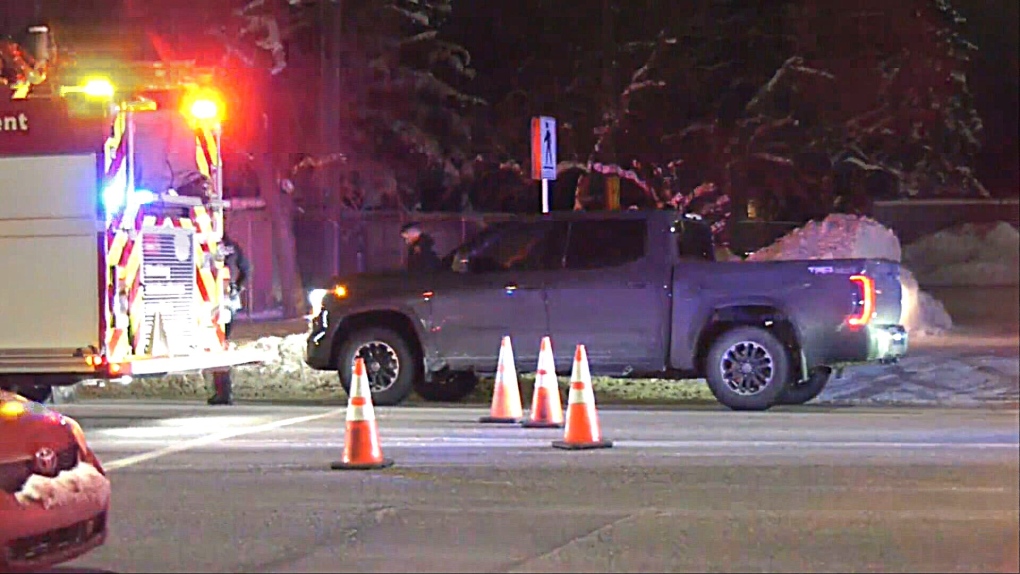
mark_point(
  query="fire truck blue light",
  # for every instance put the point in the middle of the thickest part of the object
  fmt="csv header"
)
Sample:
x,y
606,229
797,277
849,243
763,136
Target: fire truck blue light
x,y
113,198
143,197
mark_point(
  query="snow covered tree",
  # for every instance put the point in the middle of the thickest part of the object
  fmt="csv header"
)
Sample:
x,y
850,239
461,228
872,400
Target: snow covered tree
x,y
404,113
675,127
805,105
890,94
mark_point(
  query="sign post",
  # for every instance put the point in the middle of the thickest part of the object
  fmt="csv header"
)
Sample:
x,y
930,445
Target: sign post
x,y
543,154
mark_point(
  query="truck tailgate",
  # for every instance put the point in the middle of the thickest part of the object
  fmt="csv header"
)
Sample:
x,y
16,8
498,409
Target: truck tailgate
x,y
888,290
49,298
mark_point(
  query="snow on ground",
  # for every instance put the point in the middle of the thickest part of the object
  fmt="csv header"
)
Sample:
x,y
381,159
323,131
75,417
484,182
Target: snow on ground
x,y
967,255
931,377
841,236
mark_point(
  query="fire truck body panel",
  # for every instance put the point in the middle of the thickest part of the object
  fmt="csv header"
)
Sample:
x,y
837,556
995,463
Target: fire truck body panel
x,y
106,279
49,255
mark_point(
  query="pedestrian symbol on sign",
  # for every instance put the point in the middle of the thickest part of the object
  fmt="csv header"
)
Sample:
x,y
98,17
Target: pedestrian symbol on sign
x,y
548,157
543,154
543,148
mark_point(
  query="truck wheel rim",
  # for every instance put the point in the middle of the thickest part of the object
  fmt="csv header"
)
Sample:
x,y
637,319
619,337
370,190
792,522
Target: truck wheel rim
x,y
382,366
747,368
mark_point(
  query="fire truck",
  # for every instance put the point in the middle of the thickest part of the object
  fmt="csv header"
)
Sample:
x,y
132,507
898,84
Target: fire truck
x,y
111,224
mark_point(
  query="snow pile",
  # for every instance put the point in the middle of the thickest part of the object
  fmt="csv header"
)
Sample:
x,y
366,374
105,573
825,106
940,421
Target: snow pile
x,y
83,484
282,376
284,372
837,237
842,236
921,313
967,255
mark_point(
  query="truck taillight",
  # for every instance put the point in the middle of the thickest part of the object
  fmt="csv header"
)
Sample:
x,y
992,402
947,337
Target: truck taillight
x,y
864,308
95,361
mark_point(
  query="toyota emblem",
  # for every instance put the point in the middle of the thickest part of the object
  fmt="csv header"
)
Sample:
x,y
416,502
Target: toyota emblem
x,y
46,462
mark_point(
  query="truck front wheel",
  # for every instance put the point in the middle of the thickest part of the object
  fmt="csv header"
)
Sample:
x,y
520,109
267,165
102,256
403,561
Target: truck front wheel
x,y
747,368
390,364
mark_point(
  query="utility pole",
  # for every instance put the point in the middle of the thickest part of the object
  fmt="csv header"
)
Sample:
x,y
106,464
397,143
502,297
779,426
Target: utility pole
x,y
330,43
609,102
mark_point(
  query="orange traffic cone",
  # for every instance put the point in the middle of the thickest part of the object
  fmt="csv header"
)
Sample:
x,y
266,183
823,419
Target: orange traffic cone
x,y
361,441
546,408
582,431
506,392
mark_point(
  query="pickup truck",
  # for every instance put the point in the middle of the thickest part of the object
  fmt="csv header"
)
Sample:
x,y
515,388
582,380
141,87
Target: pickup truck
x,y
641,290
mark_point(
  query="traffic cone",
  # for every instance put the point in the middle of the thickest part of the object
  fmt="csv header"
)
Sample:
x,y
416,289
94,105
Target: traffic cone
x,y
506,392
546,408
582,431
361,441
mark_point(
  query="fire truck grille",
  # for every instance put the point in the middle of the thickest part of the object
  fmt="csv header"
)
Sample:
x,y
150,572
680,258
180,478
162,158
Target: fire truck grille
x,y
168,285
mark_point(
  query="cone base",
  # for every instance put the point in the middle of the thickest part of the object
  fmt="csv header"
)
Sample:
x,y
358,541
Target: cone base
x,y
340,465
541,425
499,420
582,445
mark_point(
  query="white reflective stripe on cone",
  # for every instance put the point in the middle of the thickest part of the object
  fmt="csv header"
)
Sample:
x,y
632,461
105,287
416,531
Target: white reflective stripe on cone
x,y
359,407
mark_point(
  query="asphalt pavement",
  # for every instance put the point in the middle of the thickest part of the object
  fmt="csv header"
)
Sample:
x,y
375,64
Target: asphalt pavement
x,y
249,489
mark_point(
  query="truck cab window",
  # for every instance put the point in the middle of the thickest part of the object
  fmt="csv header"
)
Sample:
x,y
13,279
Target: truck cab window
x,y
607,243
528,247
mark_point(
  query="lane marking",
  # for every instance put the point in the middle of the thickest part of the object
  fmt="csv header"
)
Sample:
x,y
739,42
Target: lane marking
x,y
817,444
725,448
217,437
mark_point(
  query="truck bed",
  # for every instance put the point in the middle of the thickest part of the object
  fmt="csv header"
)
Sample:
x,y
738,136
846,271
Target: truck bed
x,y
49,298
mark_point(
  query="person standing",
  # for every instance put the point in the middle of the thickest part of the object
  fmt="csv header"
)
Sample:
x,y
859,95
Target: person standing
x,y
240,273
421,249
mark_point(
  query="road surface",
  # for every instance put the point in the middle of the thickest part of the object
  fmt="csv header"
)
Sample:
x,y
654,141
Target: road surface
x,y
248,489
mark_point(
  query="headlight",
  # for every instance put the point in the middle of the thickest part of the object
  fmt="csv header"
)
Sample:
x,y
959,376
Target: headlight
x,y
317,296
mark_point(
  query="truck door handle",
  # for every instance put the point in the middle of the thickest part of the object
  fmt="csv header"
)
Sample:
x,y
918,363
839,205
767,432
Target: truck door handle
x,y
513,286
636,284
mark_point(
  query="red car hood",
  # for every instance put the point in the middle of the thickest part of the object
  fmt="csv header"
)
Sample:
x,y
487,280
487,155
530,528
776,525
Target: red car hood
x,y
26,427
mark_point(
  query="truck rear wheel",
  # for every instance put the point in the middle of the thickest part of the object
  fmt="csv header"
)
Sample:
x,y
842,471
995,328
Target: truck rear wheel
x,y
800,392
391,365
747,369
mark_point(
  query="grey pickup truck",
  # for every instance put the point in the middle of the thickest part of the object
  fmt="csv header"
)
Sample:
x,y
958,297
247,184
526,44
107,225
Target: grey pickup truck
x,y
640,289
